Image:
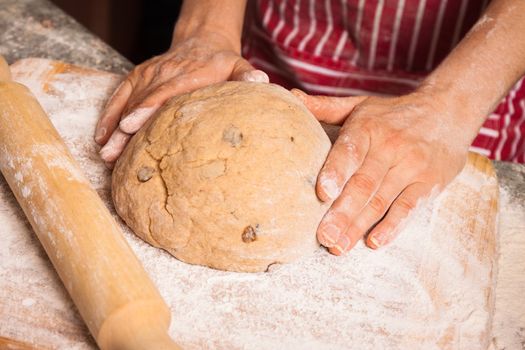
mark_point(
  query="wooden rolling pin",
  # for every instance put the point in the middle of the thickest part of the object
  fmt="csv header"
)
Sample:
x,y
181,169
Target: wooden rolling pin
x,y
113,293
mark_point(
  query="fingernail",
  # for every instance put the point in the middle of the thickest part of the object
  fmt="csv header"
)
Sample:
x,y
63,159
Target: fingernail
x,y
132,122
300,94
329,234
330,187
385,237
100,134
342,245
378,240
256,76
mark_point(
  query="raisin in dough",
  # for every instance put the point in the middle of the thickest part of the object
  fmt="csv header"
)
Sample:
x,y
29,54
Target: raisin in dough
x,y
225,177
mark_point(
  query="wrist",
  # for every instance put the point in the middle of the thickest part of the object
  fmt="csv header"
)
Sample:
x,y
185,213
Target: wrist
x,y
201,18
207,32
454,108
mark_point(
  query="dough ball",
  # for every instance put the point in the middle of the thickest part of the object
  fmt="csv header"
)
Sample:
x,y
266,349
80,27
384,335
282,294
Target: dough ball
x,y
225,177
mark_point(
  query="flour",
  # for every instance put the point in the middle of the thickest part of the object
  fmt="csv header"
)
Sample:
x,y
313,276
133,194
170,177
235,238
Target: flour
x,y
323,290
509,319
134,121
26,191
28,302
486,23
57,161
330,186
426,290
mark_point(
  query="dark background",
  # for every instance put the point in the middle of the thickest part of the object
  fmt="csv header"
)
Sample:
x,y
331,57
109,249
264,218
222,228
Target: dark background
x,y
138,29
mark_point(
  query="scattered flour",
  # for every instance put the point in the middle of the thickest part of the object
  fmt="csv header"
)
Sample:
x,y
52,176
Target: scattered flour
x,y
28,302
26,191
509,319
57,161
426,290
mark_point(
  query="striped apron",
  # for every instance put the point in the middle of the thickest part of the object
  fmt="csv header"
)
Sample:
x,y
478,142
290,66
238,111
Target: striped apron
x,y
374,47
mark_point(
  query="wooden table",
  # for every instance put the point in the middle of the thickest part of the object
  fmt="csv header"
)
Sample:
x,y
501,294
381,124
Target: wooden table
x,y
36,28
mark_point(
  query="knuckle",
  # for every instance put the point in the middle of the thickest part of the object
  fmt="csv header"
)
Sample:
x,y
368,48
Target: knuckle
x,y
139,68
161,93
405,205
130,81
364,183
347,142
361,110
420,162
378,204
148,71
393,139
358,110
418,156
338,217
415,166
167,68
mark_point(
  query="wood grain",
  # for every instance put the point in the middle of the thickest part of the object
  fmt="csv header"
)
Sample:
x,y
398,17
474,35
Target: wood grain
x,y
12,344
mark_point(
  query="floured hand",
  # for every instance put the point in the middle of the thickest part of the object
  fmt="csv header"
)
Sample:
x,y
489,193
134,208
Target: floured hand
x,y
195,62
390,153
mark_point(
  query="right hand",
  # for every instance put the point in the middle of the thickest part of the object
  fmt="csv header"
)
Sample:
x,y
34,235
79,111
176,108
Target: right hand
x,y
200,60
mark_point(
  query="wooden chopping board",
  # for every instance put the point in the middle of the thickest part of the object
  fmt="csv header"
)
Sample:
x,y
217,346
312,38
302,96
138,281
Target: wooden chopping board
x,y
433,288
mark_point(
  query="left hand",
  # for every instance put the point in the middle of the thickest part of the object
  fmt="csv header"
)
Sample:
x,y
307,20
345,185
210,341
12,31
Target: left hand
x,y
202,59
390,153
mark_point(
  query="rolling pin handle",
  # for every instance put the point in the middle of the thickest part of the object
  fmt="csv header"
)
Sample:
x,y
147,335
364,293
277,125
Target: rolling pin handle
x,y
141,325
5,74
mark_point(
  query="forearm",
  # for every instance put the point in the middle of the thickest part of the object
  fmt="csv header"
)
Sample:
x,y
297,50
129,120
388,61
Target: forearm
x,y
223,17
485,65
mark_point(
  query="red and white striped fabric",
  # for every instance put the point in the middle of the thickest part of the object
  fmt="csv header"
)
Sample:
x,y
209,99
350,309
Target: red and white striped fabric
x,y
373,47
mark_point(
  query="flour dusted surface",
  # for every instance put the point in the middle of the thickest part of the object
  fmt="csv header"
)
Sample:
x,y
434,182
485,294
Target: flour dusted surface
x,y
433,288
509,318
374,300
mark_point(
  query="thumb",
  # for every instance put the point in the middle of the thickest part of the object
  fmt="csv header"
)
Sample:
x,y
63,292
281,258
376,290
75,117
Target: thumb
x,y
244,71
329,109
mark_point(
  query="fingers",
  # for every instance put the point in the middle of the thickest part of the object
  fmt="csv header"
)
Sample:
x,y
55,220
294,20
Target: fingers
x,y
374,209
390,226
110,117
140,113
132,123
257,76
139,104
114,147
244,71
329,109
393,196
356,194
345,157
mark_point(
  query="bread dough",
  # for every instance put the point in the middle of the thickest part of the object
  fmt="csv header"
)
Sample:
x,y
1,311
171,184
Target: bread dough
x,y
225,177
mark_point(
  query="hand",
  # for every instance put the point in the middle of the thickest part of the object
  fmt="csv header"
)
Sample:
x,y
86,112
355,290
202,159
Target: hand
x,y
200,60
390,153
